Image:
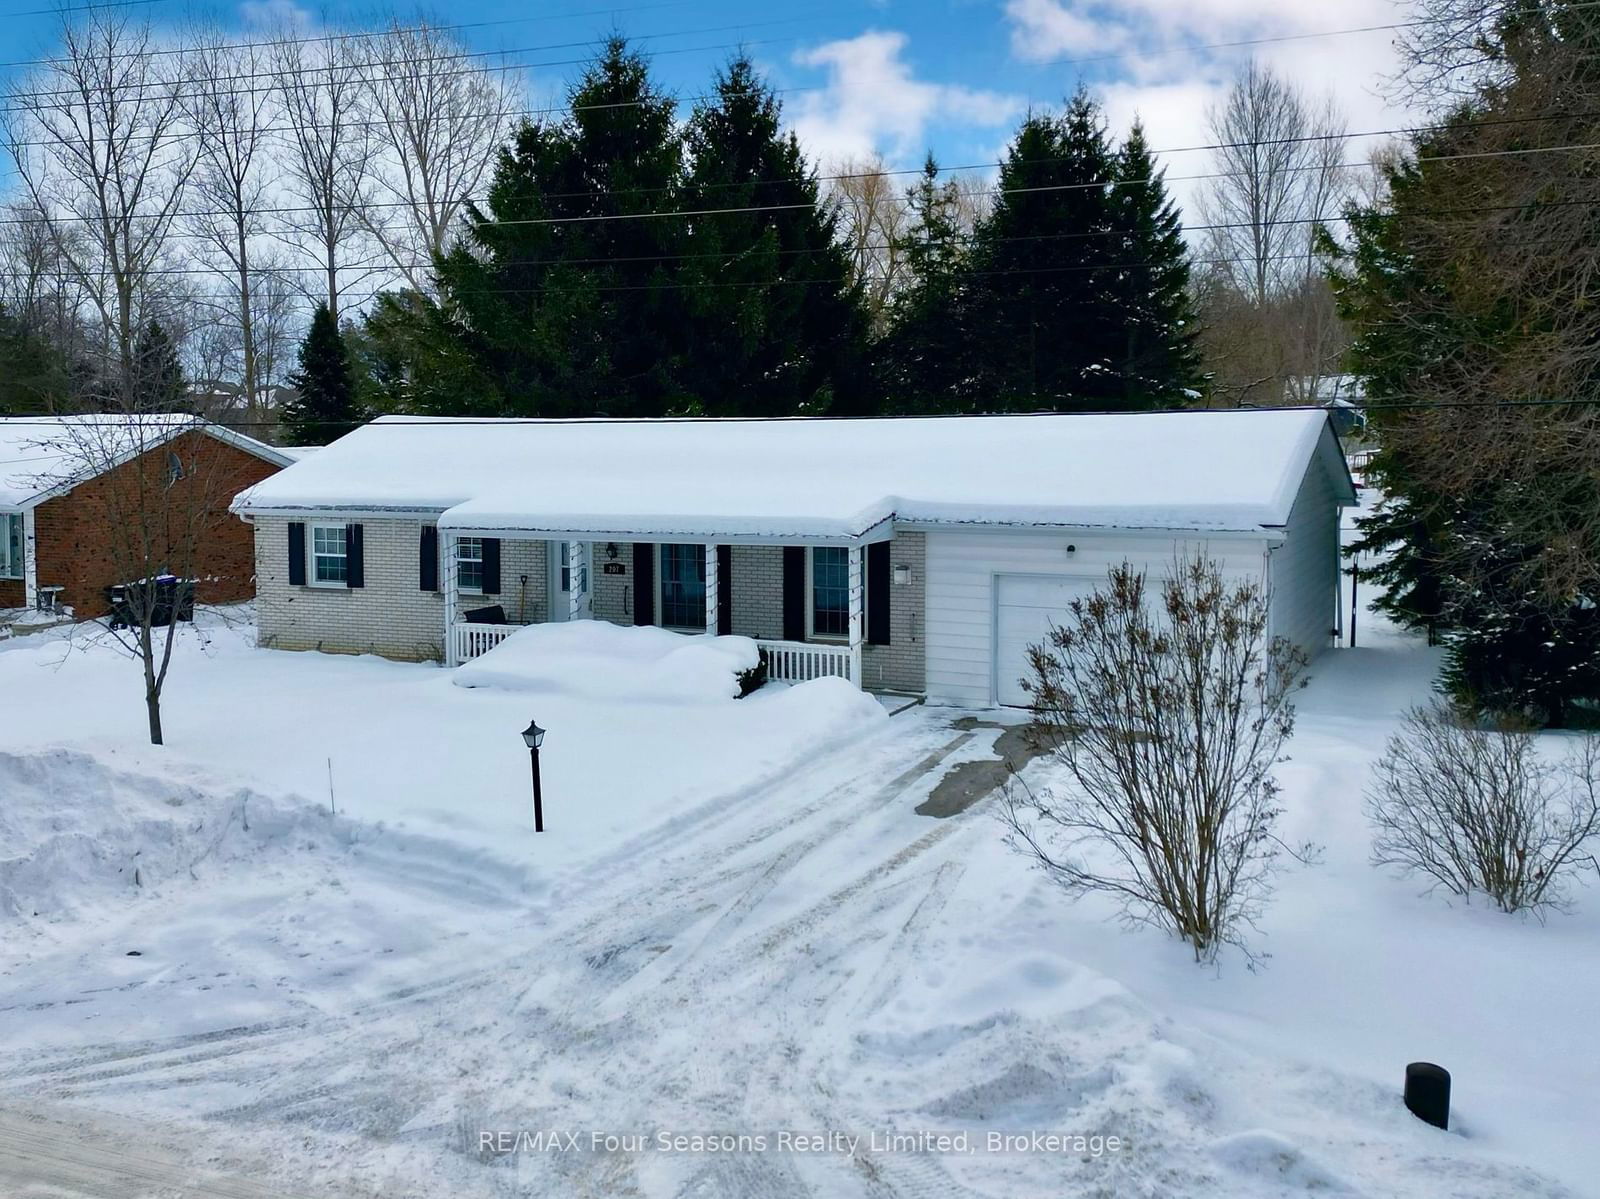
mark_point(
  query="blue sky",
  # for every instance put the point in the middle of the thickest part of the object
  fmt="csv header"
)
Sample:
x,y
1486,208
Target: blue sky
x,y
896,77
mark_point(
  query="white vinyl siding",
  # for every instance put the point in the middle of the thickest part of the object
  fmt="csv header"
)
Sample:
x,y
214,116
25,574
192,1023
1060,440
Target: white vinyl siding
x,y
1304,570
962,567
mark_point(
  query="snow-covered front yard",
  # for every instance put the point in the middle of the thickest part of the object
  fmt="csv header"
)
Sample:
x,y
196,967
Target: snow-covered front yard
x,y
736,924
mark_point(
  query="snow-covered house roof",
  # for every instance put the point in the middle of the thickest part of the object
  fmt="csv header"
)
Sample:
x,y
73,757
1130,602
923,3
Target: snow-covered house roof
x,y
824,479
809,478
42,456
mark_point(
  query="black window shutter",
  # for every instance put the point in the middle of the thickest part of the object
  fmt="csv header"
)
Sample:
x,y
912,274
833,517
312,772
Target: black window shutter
x,y
297,553
878,593
355,562
428,559
491,566
725,590
644,583
794,593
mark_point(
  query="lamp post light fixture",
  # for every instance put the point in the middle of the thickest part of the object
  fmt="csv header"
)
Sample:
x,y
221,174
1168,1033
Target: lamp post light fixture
x,y
533,738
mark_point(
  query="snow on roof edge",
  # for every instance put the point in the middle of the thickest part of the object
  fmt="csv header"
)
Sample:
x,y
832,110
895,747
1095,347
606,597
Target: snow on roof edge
x,y
1240,471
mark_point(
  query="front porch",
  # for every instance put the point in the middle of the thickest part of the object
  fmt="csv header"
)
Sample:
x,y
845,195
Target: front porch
x,y
805,606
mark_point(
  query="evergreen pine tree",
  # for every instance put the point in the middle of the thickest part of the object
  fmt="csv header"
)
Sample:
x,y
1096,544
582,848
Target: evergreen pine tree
x,y
923,356
324,407
775,325
158,383
1160,365
1045,331
1380,285
553,306
34,375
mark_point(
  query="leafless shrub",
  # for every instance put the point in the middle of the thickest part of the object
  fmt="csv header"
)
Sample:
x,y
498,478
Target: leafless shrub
x,y
1474,808
1169,713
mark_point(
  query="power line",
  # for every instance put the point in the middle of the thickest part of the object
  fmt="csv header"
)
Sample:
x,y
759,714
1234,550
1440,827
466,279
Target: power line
x,y
356,35
1485,122
602,12
50,12
831,248
1159,177
404,420
29,101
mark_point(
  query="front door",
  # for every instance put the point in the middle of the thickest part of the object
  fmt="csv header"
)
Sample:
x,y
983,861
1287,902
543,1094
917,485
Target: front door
x,y
558,555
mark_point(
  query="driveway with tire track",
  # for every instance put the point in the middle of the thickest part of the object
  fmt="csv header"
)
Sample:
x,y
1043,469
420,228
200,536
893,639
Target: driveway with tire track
x,y
700,977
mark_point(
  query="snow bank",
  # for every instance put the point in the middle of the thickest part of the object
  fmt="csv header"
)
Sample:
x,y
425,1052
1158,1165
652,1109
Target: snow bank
x,y
598,660
75,833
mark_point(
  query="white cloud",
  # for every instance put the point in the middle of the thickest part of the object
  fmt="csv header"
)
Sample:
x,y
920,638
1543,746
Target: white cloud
x,y
873,102
1043,29
276,15
1164,74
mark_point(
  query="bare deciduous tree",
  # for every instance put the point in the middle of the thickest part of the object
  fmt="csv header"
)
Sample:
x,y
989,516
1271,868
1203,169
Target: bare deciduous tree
x,y
1473,808
160,491
1169,713
323,85
440,122
872,221
1280,170
98,135
234,129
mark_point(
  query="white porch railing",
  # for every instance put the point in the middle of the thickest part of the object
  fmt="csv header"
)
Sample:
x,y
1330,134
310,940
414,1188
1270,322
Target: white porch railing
x,y
800,662
474,639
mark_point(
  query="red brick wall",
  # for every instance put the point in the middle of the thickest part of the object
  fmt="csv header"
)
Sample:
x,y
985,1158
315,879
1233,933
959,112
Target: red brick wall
x,y
12,593
78,550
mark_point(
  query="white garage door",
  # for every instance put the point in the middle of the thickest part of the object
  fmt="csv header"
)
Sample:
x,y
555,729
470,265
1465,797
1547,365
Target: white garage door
x,y
1025,606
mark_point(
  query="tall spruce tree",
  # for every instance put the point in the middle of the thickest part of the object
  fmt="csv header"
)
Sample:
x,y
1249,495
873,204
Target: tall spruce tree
x,y
774,323
1043,296
325,406
564,299
1398,308
1160,363
1481,359
158,383
923,358
35,376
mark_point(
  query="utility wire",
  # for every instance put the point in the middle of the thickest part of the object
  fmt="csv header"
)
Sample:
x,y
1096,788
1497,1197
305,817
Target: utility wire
x,y
1160,177
801,252
402,420
161,89
1141,55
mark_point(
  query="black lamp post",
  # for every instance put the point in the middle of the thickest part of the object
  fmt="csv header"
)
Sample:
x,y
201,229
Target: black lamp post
x,y
533,737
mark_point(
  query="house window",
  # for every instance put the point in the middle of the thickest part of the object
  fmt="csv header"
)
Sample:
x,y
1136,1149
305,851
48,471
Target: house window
x,y
830,591
683,587
469,565
330,564
566,567
11,553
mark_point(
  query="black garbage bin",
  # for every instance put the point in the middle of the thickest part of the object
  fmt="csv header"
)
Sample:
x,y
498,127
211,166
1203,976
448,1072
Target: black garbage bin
x,y
171,599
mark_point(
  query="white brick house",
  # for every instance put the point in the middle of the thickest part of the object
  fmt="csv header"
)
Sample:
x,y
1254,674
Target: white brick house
x,y
919,555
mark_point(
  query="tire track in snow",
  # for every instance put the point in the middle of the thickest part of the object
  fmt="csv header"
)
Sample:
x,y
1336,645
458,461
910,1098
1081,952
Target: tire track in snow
x,y
355,1060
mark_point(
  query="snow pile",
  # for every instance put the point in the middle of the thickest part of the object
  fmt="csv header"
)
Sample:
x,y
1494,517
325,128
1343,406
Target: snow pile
x,y
594,659
75,833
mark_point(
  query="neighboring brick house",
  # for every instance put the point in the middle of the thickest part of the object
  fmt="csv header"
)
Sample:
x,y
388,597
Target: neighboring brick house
x,y
920,555
67,483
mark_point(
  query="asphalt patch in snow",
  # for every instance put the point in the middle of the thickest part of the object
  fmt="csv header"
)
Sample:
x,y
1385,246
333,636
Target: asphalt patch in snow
x,y
965,784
